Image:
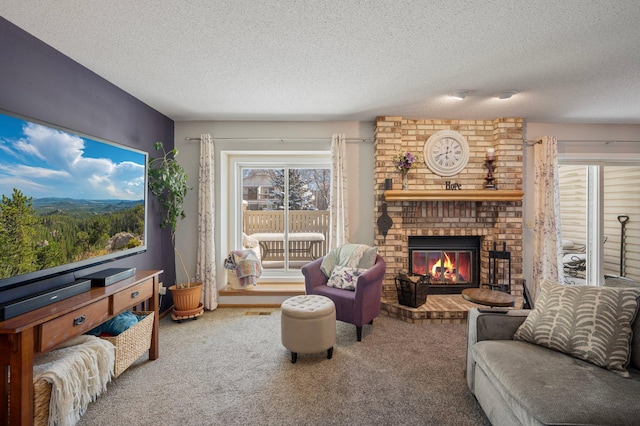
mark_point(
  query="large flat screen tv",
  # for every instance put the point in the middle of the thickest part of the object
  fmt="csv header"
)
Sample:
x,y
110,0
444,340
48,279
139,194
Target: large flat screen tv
x,y
69,201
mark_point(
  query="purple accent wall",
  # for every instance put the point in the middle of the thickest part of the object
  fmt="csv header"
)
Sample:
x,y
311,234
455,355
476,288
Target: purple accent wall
x,y
39,82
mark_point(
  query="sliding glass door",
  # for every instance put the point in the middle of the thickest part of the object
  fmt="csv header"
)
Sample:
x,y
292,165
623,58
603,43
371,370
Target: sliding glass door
x,y
595,200
622,214
286,214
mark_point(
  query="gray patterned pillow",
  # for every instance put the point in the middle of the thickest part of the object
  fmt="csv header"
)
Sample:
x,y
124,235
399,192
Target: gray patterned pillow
x,y
635,326
590,323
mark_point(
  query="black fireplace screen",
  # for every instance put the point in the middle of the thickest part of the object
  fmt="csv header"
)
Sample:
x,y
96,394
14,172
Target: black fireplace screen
x,y
443,267
447,261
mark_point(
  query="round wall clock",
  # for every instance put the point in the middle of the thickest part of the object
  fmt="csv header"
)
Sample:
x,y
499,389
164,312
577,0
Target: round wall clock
x,y
446,153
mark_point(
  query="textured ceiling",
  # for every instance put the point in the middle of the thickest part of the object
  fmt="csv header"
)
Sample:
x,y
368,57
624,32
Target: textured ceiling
x,y
572,61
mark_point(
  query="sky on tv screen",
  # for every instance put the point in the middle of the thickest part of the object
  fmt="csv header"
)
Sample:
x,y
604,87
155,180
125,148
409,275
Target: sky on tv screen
x,y
45,162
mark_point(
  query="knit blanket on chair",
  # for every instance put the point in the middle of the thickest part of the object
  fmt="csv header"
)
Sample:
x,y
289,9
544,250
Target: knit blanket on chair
x,y
349,255
247,266
78,372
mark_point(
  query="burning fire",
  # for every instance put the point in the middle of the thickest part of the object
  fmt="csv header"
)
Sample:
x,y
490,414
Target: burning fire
x,y
446,270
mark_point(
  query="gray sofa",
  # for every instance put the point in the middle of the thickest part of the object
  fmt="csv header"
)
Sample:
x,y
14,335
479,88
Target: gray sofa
x,y
520,383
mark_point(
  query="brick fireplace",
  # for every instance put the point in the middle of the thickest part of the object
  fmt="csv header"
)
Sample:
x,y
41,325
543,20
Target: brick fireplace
x,y
432,207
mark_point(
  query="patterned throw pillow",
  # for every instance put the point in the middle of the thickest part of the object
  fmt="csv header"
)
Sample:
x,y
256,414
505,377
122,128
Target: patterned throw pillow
x,y
345,277
590,323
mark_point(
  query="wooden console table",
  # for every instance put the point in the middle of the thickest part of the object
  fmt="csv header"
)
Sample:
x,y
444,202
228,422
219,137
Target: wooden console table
x,y
25,337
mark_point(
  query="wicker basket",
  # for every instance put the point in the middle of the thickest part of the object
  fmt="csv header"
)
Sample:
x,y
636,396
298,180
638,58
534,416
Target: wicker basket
x,y
41,399
42,390
132,343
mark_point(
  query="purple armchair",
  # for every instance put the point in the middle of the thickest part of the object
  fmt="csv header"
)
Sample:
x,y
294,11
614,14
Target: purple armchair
x,y
355,307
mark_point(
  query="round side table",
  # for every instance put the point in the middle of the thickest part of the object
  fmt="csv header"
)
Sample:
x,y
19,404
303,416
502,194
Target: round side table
x,y
485,296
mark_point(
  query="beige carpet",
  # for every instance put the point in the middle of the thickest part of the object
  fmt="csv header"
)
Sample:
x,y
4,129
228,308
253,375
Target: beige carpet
x,y
230,368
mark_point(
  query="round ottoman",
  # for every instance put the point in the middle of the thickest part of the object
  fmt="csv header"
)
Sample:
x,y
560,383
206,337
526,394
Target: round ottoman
x,y
308,325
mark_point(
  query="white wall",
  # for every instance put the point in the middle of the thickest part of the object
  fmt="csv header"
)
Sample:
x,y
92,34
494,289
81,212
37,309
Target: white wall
x,y
359,174
572,142
578,141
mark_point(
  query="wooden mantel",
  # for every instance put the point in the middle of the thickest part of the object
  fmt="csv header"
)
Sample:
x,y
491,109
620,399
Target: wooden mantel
x,y
453,195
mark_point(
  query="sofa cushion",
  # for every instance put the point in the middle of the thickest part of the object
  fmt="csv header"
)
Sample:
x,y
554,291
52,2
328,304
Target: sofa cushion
x,y
543,386
620,282
590,323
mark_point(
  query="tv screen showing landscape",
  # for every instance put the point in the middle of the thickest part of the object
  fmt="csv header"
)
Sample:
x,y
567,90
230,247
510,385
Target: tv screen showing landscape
x,y
68,200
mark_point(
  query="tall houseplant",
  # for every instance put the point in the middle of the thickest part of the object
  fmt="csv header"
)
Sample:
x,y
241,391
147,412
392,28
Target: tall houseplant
x,y
168,182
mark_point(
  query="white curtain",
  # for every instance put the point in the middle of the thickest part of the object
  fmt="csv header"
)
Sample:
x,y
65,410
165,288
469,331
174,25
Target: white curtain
x,y
547,244
339,233
206,259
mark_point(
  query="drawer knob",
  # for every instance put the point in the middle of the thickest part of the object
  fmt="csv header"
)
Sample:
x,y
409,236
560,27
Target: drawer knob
x,y
135,294
79,320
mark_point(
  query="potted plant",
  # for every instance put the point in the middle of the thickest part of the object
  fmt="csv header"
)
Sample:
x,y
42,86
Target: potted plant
x,y
168,182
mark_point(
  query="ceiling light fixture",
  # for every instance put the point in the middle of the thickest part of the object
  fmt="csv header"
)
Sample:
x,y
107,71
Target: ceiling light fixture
x,y
507,94
460,94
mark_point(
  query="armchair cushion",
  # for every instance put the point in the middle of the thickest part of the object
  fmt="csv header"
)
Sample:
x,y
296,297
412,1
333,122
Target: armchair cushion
x,y
351,255
345,277
589,323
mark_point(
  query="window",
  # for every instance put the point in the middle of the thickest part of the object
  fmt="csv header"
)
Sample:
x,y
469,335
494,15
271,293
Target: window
x,y
282,203
595,198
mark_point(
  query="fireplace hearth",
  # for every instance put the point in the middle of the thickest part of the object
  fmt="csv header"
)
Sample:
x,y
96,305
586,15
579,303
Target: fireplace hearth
x,y
451,263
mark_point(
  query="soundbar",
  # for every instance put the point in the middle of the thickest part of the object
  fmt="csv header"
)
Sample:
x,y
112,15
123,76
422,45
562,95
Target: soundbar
x,y
109,276
27,304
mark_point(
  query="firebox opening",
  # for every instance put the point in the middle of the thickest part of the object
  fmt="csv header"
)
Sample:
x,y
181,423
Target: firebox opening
x,y
451,263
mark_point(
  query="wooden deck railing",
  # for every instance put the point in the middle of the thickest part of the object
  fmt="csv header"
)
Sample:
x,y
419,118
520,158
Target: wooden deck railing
x,y
299,221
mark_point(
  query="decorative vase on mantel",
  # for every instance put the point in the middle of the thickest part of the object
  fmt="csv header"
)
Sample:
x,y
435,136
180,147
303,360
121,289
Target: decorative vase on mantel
x,y
405,179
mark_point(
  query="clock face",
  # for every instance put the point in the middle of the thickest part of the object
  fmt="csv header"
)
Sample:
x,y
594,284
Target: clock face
x,y
446,153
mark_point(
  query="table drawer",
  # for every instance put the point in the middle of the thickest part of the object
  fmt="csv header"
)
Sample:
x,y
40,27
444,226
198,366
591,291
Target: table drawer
x,y
132,296
73,324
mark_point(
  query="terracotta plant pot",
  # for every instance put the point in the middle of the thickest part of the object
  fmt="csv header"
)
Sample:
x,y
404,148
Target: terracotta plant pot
x,y
186,299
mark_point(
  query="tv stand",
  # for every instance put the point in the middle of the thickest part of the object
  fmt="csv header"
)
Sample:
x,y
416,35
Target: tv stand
x,y
25,337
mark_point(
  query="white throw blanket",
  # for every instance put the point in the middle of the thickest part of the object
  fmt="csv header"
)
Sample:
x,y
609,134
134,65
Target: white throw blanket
x,y
78,372
350,256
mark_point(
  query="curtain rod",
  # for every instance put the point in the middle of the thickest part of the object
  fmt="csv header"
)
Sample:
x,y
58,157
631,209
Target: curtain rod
x,y
532,142
281,139
597,140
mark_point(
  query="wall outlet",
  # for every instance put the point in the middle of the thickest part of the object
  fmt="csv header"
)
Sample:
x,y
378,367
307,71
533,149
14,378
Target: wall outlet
x,y
162,290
